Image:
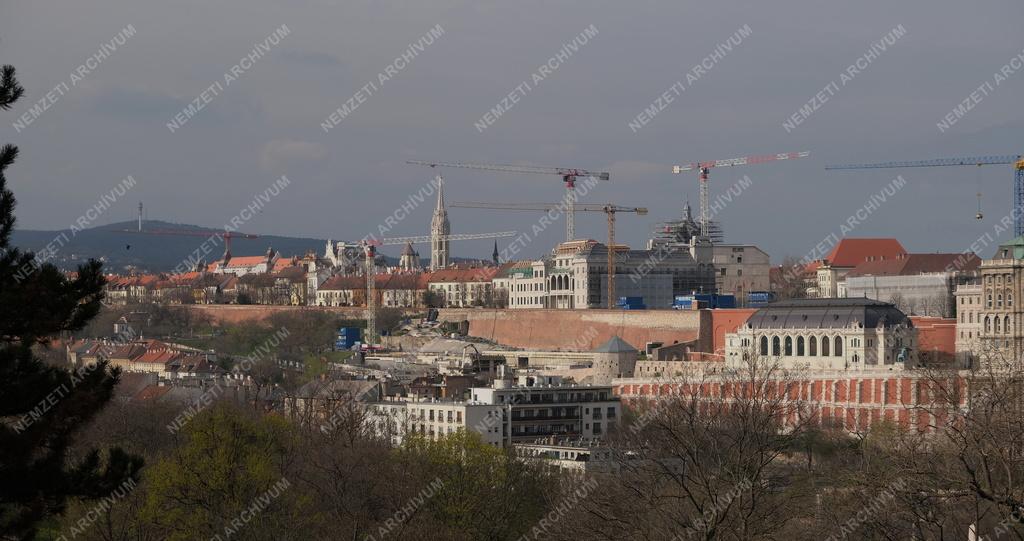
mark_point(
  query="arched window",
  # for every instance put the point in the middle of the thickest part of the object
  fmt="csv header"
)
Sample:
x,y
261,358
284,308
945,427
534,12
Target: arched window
x,y
1006,325
838,349
800,346
988,301
999,300
775,346
1009,299
812,346
764,345
789,346
997,325
988,325
824,346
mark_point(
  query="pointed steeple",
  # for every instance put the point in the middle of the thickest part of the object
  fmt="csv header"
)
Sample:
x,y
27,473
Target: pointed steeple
x,y
440,228
440,195
494,256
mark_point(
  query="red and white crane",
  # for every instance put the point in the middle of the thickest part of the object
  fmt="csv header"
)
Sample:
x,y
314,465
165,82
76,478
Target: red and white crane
x,y
226,235
705,171
568,175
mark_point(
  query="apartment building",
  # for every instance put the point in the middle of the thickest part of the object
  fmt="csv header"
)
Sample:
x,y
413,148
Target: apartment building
x,y
535,407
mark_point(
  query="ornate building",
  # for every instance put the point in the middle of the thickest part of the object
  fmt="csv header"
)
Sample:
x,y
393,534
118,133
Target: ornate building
x,y
575,276
439,231
827,334
1002,281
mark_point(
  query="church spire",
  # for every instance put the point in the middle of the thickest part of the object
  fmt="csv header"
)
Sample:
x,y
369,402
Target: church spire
x,y
494,256
440,228
440,195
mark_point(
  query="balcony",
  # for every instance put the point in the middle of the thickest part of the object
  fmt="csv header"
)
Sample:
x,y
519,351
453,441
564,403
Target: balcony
x,y
563,417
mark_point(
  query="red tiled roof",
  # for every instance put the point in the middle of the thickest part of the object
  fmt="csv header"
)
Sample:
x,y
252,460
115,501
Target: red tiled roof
x,y
482,274
344,282
283,263
247,261
851,252
400,281
911,264
381,281
163,357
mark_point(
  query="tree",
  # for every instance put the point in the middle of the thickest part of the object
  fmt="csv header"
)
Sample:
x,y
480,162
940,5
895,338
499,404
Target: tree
x,y
476,491
228,463
42,407
433,298
792,280
704,465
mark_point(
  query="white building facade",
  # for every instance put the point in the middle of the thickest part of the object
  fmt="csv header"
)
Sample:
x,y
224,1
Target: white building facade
x,y
827,334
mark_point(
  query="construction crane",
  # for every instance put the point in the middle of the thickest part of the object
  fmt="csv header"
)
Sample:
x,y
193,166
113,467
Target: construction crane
x,y
226,235
609,210
705,171
370,251
568,177
1018,179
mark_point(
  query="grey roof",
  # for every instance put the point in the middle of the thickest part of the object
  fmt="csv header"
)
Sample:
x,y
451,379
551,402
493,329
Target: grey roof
x,y
827,314
615,345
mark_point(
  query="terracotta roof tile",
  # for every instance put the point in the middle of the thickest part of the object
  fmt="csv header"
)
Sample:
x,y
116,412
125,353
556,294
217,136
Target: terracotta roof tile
x,y
911,264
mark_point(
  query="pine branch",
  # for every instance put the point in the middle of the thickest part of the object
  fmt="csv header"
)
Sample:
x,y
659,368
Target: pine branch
x,y
10,90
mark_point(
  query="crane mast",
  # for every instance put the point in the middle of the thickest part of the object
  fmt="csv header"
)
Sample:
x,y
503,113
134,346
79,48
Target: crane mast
x,y
609,210
704,170
568,175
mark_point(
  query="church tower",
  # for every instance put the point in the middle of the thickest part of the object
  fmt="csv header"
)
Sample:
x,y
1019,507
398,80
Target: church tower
x,y
410,260
439,231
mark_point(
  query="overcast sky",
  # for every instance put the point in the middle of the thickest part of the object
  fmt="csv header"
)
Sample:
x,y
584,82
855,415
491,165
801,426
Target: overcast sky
x,y
112,122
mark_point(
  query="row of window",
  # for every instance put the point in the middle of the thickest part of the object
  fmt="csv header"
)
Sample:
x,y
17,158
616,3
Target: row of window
x,y
440,415
785,347
992,325
999,300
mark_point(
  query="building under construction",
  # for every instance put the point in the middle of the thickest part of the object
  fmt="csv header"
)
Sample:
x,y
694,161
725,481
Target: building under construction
x,y
676,234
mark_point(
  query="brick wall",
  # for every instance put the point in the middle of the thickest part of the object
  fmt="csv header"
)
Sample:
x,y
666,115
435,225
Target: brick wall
x,y
583,330
240,313
851,401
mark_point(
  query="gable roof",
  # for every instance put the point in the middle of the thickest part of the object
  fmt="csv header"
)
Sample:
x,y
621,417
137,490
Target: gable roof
x,y
827,313
851,252
911,264
246,261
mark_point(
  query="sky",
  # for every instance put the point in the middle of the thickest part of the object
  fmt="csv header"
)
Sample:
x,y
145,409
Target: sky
x,y
107,118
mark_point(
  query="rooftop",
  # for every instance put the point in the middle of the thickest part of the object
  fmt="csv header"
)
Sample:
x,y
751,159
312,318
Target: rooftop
x,y
830,313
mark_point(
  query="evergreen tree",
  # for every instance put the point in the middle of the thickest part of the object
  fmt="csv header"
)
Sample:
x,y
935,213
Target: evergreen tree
x,y
41,406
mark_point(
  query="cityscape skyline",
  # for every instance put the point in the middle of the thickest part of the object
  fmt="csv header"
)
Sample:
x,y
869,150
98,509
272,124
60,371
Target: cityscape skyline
x,y
266,118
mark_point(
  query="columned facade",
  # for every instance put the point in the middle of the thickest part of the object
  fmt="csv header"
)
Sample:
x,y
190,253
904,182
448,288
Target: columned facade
x,y
827,334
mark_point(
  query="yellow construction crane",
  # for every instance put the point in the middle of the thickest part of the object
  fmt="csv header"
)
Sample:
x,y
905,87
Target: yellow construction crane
x,y
609,210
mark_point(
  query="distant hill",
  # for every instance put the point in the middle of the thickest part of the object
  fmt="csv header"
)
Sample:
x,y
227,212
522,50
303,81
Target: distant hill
x,y
121,247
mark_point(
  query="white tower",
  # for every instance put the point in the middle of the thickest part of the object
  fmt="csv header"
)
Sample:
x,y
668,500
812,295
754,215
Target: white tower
x,y
439,231
410,260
